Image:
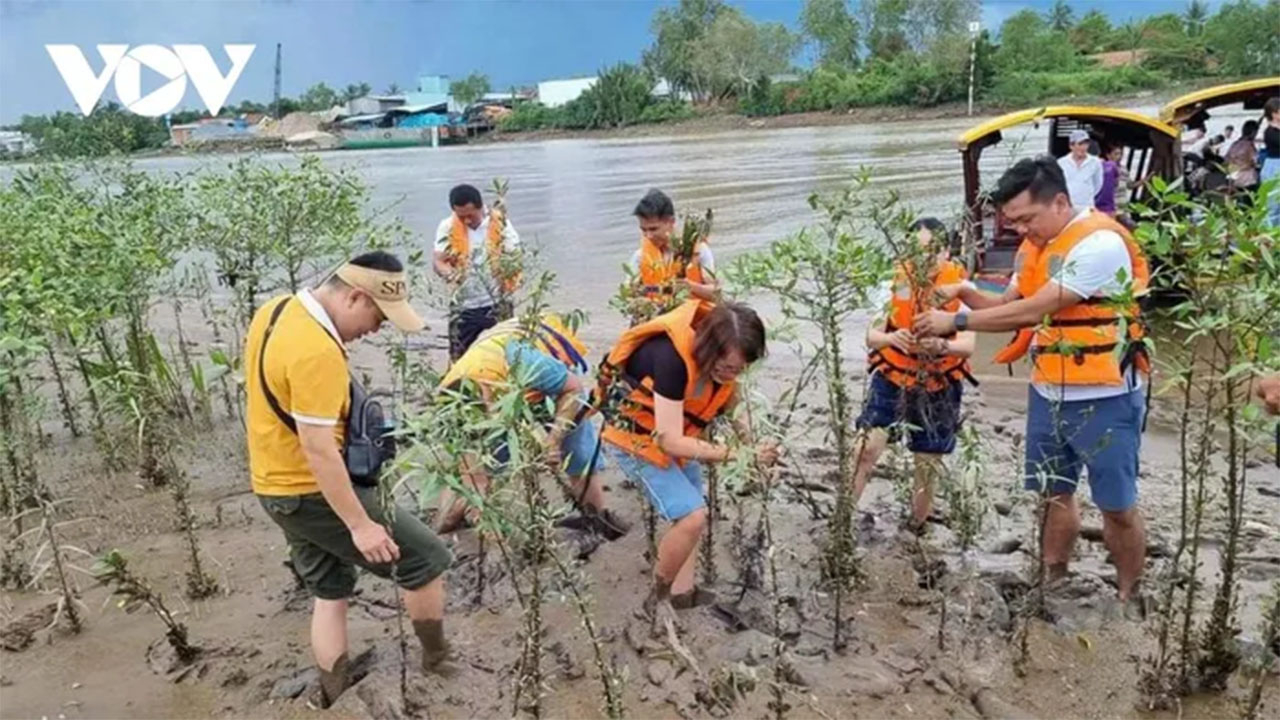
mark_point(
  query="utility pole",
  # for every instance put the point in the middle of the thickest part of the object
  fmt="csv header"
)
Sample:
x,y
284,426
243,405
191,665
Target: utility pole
x,y
275,102
974,28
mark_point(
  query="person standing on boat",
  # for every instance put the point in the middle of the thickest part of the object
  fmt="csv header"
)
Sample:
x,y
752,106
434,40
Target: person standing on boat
x,y
1083,171
1071,301
474,253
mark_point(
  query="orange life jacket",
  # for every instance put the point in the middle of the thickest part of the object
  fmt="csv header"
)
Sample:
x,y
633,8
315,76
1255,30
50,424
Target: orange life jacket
x,y
907,369
658,268
1079,345
460,248
631,425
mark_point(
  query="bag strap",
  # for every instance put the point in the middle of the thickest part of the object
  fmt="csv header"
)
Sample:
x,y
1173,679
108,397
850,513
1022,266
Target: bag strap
x,y
284,417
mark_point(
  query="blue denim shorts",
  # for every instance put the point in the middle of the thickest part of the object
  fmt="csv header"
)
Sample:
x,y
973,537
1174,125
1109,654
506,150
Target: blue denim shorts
x,y
578,447
934,417
673,491
1103,435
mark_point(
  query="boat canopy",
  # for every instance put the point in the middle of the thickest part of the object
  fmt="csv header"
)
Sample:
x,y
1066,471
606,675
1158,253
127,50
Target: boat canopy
x,y
1131,128
1252,93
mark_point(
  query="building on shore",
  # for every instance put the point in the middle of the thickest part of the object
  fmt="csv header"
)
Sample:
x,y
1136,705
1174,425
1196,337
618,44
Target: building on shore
x,y
16,142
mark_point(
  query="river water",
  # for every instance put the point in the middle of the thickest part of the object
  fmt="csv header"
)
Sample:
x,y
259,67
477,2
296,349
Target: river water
x,y
572,198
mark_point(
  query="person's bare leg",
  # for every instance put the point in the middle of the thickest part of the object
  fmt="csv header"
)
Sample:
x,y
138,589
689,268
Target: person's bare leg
x,y
1125,536
594,496
684,578
677,559
1061,526
867,452
329,645
453,506
927,467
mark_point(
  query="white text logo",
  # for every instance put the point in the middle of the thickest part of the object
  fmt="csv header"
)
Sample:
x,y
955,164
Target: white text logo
x,y
176,65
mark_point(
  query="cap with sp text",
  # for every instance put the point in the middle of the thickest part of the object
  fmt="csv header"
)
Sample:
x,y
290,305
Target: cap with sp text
x,y
389,290
1078,136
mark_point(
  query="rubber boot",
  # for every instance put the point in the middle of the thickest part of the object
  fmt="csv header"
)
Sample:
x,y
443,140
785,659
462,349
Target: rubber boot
x,y
657,607
697,597
435,649
333,682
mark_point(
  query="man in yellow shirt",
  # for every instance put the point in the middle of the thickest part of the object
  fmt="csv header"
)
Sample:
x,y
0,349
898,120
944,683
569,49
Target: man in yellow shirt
x,y
299,403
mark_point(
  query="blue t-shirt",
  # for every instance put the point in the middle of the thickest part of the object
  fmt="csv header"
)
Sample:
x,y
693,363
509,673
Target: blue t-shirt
x,y
538,370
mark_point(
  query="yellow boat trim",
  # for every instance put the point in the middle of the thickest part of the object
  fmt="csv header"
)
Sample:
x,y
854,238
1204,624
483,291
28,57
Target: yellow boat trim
x,y
1082,111
1170,111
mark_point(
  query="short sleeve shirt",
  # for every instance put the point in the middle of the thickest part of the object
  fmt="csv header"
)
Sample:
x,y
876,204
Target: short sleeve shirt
x,y
657,358
538,371
305,367
477,289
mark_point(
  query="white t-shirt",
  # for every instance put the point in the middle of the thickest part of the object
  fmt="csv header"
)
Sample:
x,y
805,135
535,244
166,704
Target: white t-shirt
x,y
1091,269
477,289
705,258
1083,180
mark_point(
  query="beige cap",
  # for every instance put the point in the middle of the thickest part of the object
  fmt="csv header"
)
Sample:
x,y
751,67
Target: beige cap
x,y
389,290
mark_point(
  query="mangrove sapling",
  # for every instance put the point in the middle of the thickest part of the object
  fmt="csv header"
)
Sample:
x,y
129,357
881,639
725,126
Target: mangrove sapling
x,y
822,277
967,500
765,480
69,416
135,592
1264,664
1225,273
67,600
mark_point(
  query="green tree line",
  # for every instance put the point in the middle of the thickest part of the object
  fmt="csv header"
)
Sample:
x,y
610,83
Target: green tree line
x,y
915,52
858,53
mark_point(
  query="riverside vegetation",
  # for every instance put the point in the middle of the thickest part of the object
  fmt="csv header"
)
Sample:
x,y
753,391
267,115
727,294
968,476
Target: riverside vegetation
x,y
96,258
866,53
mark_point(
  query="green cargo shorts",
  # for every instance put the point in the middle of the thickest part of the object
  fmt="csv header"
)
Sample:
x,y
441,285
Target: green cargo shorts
x,y
325,556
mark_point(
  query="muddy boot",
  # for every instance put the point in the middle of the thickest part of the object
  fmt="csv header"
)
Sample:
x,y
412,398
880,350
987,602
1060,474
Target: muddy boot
x,y
332,684
657,609
697,597
435,649
608,524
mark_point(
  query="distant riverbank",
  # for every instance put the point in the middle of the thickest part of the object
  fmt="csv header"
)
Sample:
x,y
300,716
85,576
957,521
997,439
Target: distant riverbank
x,y
714,121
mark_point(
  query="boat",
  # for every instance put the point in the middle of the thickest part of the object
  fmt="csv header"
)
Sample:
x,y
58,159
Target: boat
x,y
1150,148
1194,107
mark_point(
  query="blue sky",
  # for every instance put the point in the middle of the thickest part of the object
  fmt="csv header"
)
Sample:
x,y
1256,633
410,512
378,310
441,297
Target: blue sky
x,y
343,41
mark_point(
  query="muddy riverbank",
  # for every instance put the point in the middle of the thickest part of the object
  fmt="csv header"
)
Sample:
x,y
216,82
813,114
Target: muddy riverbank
x,y
255,661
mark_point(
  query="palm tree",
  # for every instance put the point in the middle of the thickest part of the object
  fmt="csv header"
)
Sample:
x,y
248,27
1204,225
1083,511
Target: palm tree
x,y
1061,16
393,89
1197,13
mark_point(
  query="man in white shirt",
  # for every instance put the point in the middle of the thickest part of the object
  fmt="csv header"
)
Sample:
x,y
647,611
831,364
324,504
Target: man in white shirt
x,y
472,252
1086,404
1083,172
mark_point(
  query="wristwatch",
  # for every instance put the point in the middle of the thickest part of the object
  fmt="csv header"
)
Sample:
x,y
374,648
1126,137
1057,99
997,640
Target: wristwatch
x,y
962,321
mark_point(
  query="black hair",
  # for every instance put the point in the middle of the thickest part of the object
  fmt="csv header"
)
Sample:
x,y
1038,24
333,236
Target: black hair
x,y
378,260
932,224
655,205
465,195
1249,129
1271,108
1041,177
1229,128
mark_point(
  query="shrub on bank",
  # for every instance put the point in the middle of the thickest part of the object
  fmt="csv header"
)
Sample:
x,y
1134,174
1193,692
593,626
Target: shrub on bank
x,y
922,83
1019,89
